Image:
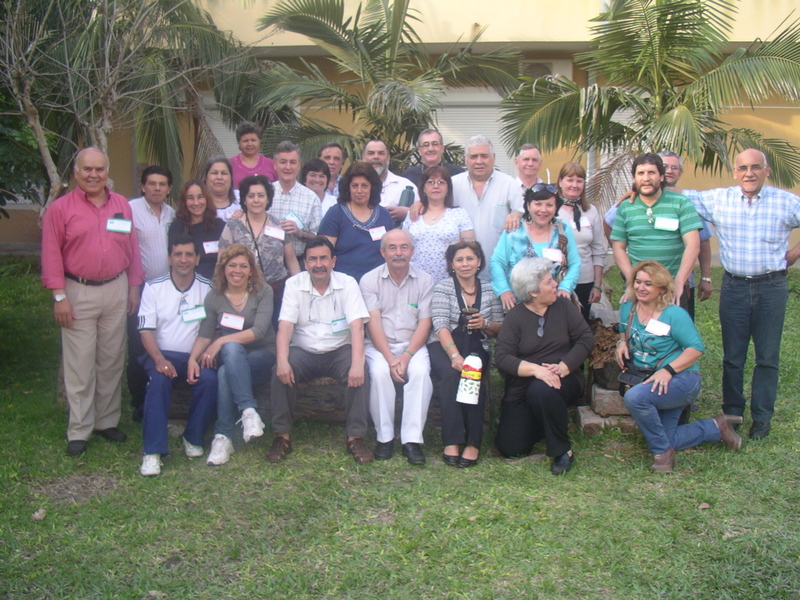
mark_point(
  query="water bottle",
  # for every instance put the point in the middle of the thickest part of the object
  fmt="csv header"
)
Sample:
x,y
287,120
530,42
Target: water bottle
x,y
406,197
469,387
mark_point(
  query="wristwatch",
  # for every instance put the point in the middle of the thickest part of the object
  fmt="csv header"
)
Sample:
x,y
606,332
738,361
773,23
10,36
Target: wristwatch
x,y
708,279
59,297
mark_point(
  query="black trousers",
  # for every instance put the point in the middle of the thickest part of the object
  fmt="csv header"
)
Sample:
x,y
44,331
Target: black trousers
x,y
137,376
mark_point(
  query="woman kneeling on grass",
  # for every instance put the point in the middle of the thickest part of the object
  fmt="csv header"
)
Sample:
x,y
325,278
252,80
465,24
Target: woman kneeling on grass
x,y
656,334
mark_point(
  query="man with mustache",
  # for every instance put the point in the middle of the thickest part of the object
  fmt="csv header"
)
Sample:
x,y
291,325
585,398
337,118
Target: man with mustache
x,y
398,298
321,334
377,154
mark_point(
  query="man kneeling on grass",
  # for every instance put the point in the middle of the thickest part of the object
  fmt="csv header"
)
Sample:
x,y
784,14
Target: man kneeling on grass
x,y
169,319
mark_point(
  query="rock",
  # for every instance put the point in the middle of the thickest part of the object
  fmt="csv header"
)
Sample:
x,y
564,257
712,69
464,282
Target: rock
x,y
591,423
607,402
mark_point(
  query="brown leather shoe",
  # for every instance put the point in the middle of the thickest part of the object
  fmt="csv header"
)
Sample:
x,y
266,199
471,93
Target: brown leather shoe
x,y
730,438
664,463
359,450
280,448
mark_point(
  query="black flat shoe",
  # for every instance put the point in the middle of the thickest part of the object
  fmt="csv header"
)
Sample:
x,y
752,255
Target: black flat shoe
x,y
76,447
384,450
759,430
562,464
450,459
466,463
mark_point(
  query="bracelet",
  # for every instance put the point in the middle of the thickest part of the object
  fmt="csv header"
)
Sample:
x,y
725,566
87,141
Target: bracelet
x,y
453,355
597,287
670,370
708,279
450,345
621,342
408,352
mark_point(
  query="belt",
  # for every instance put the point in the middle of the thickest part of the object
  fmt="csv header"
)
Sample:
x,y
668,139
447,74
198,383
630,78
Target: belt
x,y
754,278
91,281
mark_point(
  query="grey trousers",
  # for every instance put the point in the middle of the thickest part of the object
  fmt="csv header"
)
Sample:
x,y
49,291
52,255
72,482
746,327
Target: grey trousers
x,y
307,366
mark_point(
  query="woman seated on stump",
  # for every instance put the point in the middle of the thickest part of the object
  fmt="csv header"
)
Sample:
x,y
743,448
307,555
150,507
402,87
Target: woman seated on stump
x,y
658,335
540,348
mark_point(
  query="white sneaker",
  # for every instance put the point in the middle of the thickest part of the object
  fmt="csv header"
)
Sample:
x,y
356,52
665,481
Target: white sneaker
x,y
191,450
221,450
252,425
151,465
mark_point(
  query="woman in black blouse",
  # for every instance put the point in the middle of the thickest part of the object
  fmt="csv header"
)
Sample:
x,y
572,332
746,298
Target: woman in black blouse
x,y
197,217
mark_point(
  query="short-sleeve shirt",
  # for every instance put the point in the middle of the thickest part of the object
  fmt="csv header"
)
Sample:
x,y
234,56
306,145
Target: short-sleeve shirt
x,y
431,241
268,250
401,306
321,321
657,236
204,240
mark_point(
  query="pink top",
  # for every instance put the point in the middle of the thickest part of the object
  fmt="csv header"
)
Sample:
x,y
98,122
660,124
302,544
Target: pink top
x,y
75,240
264,166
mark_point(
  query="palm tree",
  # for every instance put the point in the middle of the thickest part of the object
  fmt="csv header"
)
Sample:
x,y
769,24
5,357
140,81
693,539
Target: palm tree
x,y
388,82
660,79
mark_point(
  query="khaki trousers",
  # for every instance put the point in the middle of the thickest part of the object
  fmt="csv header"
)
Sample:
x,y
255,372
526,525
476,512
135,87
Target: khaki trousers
x,y
94,355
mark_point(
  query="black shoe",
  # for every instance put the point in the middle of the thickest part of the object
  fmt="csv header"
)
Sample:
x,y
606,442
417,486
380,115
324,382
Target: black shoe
x,y
466,463
112,434
413,452
450,459
384,450
759,430
76,447
562,464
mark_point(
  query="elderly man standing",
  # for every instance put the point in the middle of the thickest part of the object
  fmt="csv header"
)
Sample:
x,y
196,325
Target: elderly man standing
x,y
528,163
753,222
377,154
91,263
430,146
398,298
321,334
294,205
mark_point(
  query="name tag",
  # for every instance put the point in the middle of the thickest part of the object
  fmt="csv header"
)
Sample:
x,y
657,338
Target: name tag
x,y
232,321
553,254
211,247
376,233
657,327
229,213
666,224
339,325
292,216
119,225
585,222
197,313
275,232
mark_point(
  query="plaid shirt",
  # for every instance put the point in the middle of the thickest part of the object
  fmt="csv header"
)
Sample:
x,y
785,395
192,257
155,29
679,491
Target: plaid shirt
x,y
304,203
753,237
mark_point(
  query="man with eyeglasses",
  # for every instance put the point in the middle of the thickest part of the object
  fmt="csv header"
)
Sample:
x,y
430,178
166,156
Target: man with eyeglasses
x,y
658,225
430,146
753,223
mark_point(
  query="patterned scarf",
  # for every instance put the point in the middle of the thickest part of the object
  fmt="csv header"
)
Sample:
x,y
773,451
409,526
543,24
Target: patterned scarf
x,y
576,211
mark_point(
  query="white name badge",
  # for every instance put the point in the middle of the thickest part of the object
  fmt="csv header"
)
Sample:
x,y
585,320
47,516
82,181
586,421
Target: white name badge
x,y
275,232
376,233
339,325
119,225
197,313
211,247
553,254
229,212
666,224
292,216
657,327
232,321
585,222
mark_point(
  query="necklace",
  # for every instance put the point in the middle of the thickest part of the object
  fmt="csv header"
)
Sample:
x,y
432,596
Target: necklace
x,y
234,304
641,319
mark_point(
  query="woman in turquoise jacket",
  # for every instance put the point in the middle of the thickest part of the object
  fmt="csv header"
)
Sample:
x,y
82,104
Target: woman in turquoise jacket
x,y
540,234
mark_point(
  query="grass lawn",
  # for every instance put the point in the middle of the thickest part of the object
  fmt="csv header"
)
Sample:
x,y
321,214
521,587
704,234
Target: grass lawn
x,y
724,525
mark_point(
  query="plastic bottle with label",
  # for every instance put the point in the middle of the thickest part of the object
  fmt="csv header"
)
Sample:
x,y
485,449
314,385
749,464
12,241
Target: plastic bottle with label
x,y
469,387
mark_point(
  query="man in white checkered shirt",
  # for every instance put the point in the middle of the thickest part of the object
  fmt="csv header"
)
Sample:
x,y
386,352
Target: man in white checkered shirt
x,y
753,223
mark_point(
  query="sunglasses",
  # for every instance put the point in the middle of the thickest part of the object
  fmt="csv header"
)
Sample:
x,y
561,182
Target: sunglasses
x,y
541,191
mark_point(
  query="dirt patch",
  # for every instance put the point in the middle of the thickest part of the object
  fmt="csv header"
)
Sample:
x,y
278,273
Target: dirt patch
x,y
76,488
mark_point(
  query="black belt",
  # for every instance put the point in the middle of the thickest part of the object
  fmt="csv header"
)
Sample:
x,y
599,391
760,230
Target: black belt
x,y
91,281
754,278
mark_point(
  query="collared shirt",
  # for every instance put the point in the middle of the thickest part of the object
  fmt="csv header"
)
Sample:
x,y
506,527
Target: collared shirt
x,y
163,310
393,188
401,306
524,187
753,237
265,166
413,174
322,320
151,232
303,203
75,240
501,196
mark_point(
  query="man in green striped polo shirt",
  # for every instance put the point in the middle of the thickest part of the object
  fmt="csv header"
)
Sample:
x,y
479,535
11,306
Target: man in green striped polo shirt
x,y
658,225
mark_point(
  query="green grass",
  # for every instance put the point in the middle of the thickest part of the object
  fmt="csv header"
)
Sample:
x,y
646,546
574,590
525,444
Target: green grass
x,y
320,526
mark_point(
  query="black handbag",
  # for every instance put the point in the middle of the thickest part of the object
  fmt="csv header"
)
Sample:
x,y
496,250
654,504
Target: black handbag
x,y
632,375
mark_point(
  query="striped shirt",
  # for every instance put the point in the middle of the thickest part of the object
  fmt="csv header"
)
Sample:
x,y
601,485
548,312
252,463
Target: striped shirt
x,y
753,237
446,312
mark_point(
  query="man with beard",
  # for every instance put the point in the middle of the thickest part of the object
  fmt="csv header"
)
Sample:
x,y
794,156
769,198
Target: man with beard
x,y
398,298
321,334
377,154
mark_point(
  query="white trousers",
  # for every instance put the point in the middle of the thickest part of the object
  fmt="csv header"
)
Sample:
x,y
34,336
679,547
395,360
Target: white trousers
x,y
416,394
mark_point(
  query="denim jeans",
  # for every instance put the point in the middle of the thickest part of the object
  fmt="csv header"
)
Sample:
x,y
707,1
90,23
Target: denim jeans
x,y
751,309
657,416
238,372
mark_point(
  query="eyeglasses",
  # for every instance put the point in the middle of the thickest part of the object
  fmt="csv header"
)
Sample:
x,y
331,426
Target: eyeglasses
x,y
649,213
672,168
426,145
745,168
540,331
435,182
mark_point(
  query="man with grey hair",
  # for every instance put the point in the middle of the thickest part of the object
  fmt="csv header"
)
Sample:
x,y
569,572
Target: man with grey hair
x,y
294,205
753,223
398,298
430,146
377,154
528,163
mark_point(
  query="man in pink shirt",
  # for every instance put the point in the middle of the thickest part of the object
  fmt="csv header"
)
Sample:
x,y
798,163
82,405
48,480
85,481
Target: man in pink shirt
x,y
92,265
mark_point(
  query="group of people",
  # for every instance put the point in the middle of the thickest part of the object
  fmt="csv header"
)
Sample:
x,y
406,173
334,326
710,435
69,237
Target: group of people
x,y
384,282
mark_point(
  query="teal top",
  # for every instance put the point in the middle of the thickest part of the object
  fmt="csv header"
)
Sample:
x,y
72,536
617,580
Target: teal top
x,y
647,349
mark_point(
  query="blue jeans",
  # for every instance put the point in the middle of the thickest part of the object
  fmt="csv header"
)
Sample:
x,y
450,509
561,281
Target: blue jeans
x,y
752,309
657,416
158,397
239,370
